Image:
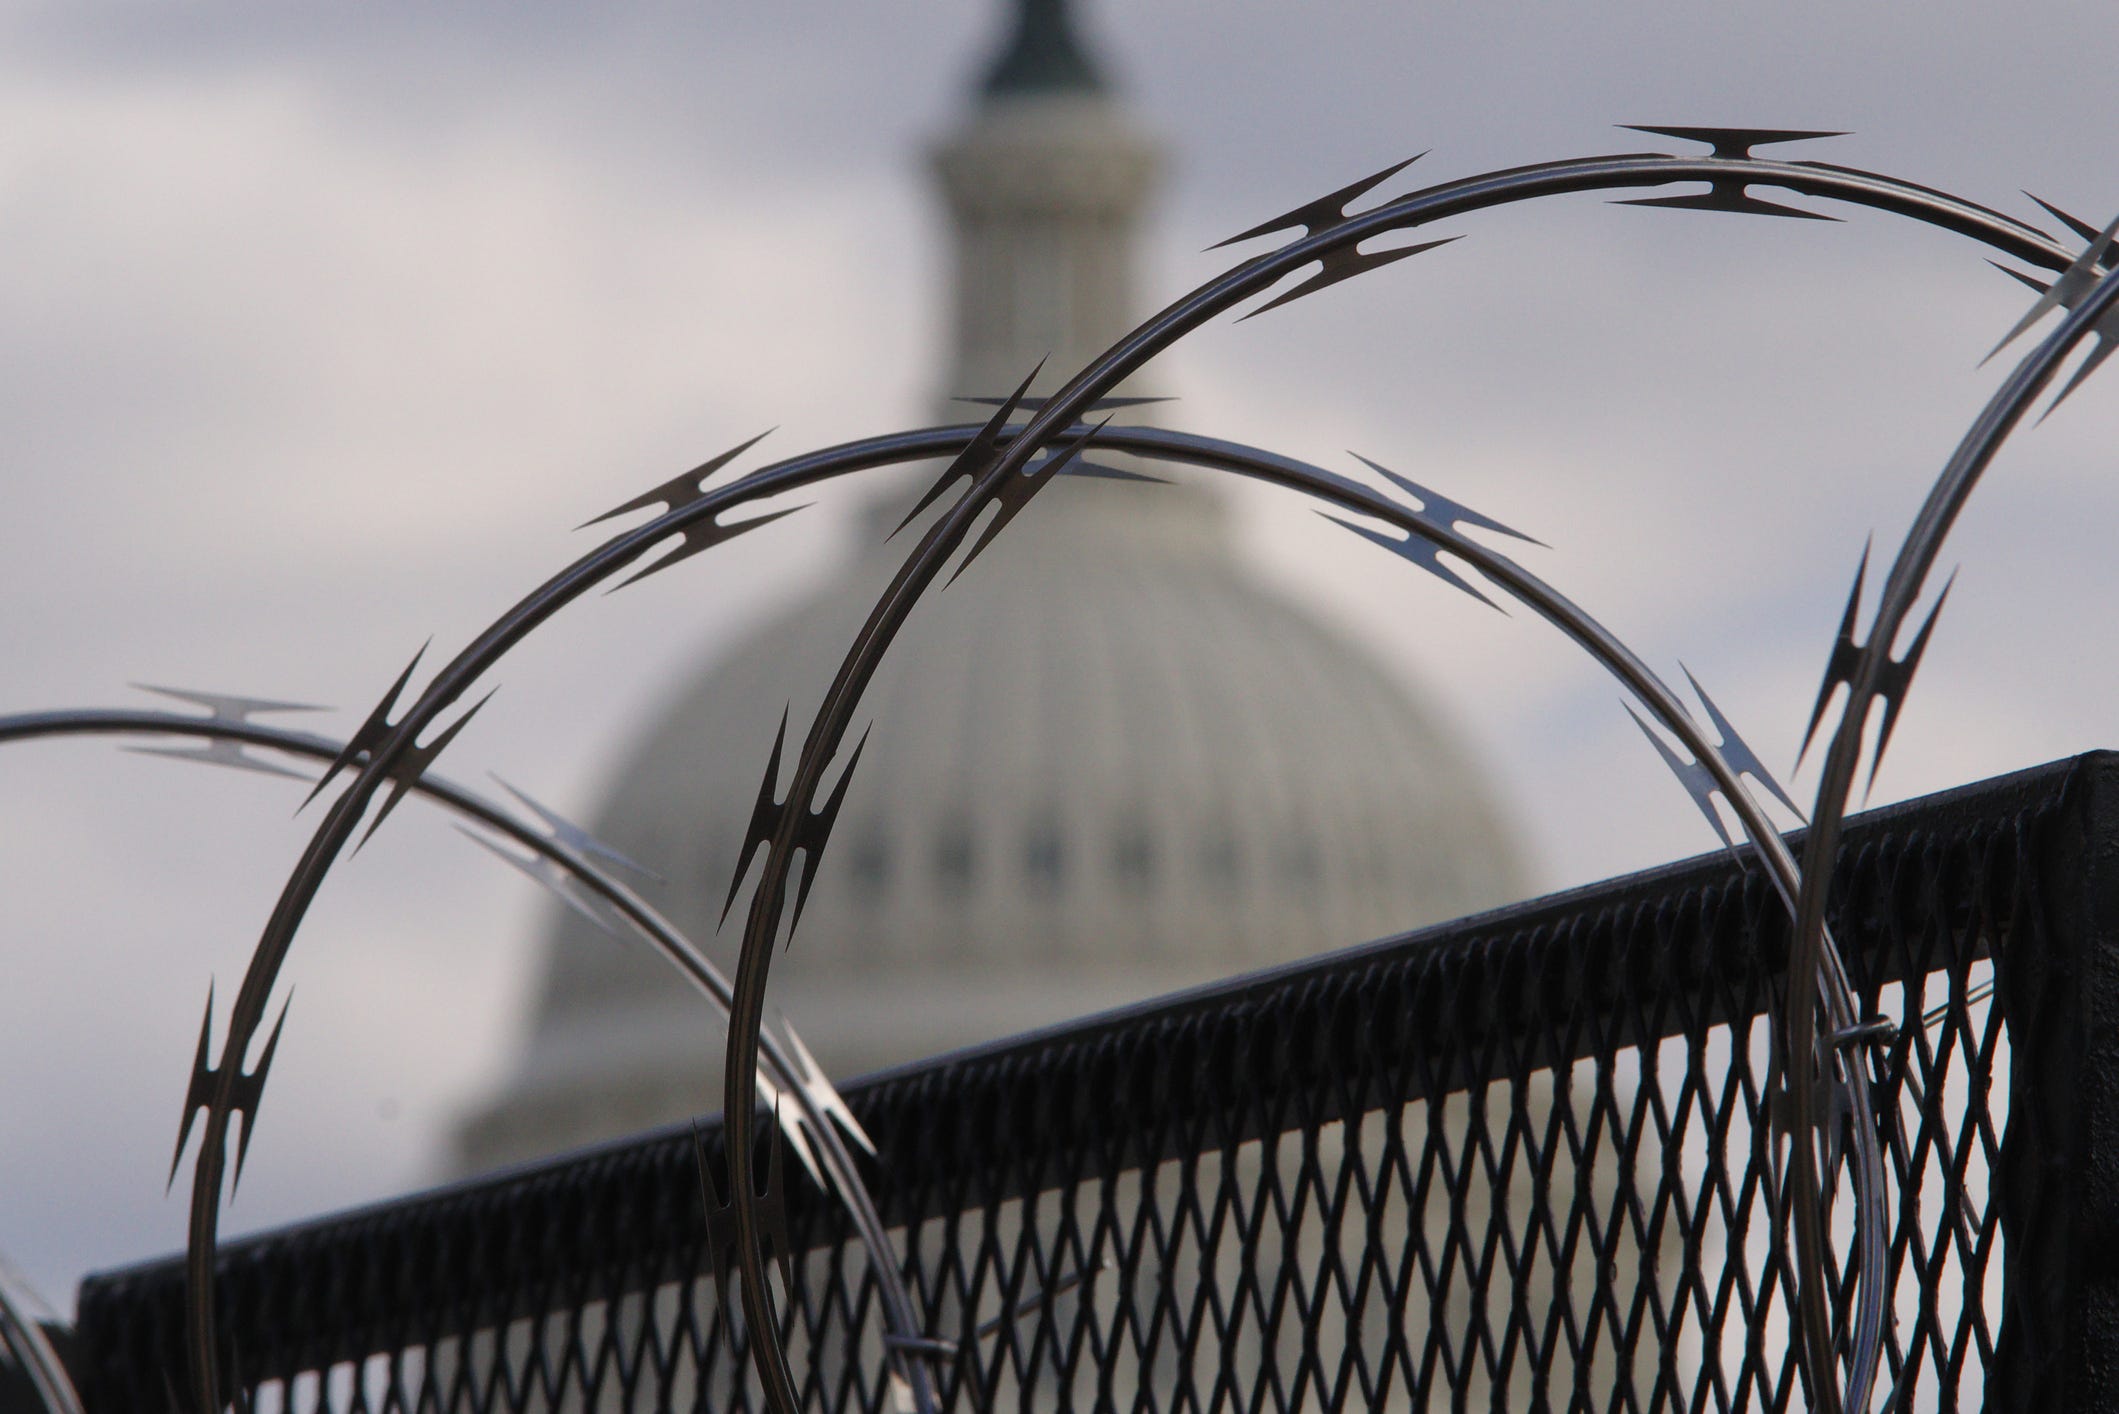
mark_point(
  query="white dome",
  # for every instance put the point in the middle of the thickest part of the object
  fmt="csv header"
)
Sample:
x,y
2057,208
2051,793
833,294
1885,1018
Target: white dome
x,y
1105,764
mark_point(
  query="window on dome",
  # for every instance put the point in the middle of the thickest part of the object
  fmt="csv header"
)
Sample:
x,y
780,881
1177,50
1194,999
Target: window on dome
x,y
1133,855
1044,855
1217,856
955,859
868,863
1299,860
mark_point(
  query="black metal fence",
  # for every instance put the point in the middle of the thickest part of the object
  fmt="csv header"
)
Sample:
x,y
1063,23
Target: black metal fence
x,y
1527,1160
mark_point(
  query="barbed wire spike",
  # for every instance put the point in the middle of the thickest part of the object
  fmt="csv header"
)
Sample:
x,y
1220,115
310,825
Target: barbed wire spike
x,y
413,764
764,817
227,706
371,732
810,1078
1730,193
1732,142
1418,550
1085,468
1892,682
721,1216
720,1220
680,490
1439,509
1326,211
1698,781
1343,264
233,754
1099,471
705,535
1017,488
815,831
810,836
2107,332
554,879
977,455
574,837
249,1090
1435,510
1737,752
2083,230
2071,285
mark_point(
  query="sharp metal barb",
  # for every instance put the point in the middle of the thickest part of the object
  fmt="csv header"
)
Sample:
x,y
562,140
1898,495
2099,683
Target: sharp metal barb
x,y
1728,194
249,1089
200,1093
413,764
764,817
1017,488
1732,142
1439,509
2083,230
1344,264
576,838
720,1221
1839,667
2041,286
227,707
977,455
2071,285
815,832
721,1216
233,754
371,732
1698,781
705,535
809,1077
1736,751
1099,471
811,835
554,879
2107,331
1417,550
1893,679
1897,677
1325,212
680,490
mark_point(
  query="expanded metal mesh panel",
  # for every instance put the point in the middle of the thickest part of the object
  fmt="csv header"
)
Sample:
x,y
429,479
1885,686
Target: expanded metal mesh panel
x,y
1526,1161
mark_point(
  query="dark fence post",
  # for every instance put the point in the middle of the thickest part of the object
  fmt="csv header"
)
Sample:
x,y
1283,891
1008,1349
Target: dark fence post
x,y
2058,978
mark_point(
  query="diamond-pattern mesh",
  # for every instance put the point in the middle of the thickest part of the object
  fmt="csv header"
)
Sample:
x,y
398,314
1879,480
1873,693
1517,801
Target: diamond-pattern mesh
x,y
1528,1161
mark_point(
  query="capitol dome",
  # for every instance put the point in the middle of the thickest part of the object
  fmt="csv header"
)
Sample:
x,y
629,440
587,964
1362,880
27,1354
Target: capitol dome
x,y
1106,764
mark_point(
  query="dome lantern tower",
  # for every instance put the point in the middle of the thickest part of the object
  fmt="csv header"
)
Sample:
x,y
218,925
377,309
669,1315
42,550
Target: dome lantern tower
x,y
1045,184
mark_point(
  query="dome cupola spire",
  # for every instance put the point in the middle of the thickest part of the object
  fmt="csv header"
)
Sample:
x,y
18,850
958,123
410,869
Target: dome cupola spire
x,y
1043,55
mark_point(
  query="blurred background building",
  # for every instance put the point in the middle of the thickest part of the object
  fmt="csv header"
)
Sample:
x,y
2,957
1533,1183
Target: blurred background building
x,y
1108,764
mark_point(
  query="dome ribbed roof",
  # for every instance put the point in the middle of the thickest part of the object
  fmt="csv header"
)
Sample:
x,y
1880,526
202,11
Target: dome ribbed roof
x,y
1105,764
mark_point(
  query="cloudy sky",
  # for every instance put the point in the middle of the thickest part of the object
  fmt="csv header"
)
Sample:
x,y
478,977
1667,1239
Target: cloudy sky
x,y
319,329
